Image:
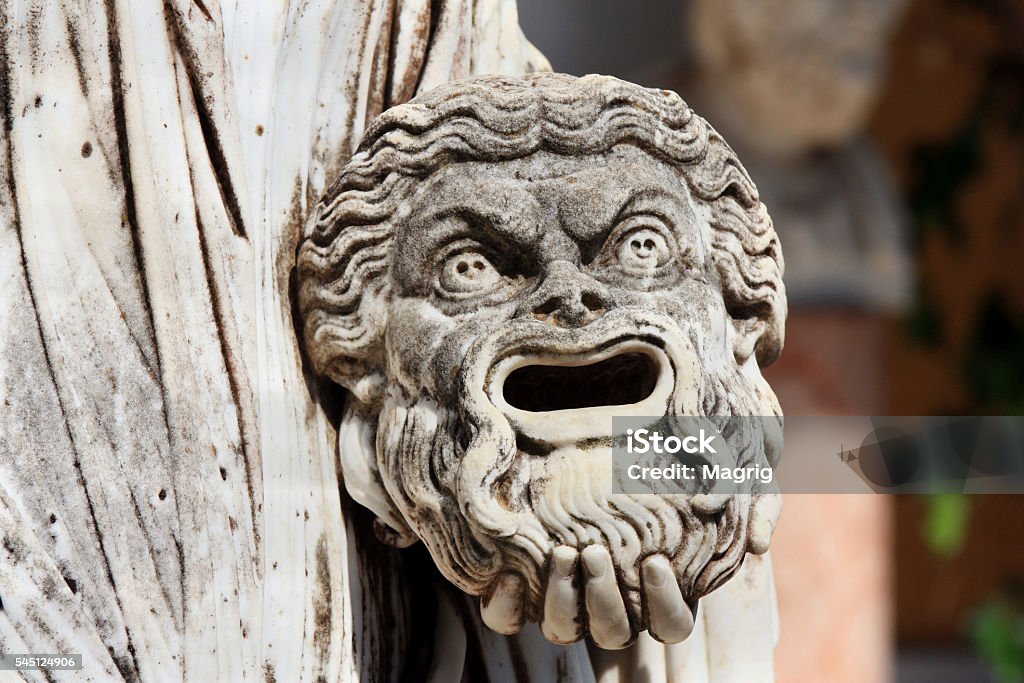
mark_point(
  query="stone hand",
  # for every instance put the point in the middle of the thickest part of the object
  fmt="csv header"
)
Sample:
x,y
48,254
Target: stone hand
x,y
583,596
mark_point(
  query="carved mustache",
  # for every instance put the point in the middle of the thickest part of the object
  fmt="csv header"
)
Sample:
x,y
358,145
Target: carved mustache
x,y
529,336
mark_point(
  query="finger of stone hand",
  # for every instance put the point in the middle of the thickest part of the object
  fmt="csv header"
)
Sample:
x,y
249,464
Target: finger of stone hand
x,y
503,610
764,514
609,625
670,619
561,622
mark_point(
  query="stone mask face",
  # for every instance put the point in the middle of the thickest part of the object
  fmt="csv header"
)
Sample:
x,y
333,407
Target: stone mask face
x,y
490,312
550,244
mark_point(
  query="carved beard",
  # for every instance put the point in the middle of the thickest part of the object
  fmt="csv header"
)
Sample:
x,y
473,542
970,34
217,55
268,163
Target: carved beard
x,y
483,507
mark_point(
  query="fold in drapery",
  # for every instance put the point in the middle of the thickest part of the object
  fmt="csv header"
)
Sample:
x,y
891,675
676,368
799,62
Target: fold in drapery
x,y
169,501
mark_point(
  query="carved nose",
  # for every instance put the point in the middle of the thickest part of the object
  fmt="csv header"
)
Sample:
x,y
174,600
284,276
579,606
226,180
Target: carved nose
x,y
567,297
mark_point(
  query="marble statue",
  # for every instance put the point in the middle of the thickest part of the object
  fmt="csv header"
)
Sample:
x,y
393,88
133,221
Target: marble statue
x,y
504,265
186,494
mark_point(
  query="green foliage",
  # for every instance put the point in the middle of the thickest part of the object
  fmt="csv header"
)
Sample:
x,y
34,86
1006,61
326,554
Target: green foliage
x,y
992,364
998,635
947,518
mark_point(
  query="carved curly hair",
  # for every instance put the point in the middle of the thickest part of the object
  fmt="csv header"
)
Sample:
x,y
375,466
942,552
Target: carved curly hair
x,y
344,257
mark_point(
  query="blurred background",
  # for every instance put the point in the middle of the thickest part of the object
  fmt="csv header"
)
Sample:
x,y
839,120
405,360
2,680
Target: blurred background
x,y
887,140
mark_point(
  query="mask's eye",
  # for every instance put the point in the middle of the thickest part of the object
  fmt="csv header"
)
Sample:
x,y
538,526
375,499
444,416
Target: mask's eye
x,y
468,272
644,249
640,245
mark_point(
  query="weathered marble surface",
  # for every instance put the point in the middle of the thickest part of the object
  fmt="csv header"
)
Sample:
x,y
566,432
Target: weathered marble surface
x,y
488,237
169,480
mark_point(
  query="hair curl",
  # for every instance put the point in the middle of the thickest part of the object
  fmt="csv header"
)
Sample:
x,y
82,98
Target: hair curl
x,y
345,254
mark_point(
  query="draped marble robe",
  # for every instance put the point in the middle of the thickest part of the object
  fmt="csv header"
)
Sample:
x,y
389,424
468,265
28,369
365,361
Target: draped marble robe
x,y
170,505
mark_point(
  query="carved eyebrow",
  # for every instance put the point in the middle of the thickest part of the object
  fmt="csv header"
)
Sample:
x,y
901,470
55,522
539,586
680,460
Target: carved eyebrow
x,y
485,227
506,246
630,207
